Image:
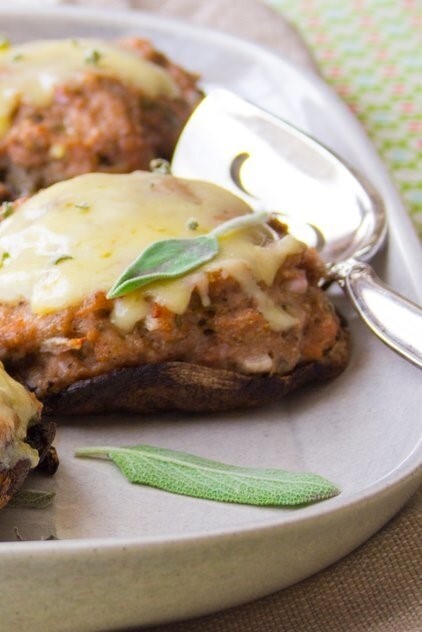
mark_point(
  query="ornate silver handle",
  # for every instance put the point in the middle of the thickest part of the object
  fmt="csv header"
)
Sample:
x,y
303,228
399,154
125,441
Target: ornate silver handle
x,y
393,318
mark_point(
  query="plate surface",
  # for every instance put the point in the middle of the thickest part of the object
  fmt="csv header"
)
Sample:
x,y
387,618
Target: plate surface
x,y
130,555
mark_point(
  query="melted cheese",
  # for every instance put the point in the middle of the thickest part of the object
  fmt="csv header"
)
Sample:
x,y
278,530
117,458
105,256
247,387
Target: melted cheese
x,y
76,238
31,72
17,408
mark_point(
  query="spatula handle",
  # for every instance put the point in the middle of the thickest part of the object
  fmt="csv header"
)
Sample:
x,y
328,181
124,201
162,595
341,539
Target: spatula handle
x,y
393,318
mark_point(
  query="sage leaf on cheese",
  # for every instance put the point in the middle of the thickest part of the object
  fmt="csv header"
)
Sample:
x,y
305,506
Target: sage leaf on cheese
x,y
190,475
31,499
171,258
165,259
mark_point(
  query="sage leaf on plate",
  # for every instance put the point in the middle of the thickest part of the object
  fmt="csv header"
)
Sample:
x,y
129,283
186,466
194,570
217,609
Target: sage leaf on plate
x,y
171,258
190,475
31,499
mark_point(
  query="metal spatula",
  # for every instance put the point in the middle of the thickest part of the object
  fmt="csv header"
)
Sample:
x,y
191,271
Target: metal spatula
x,y
270,163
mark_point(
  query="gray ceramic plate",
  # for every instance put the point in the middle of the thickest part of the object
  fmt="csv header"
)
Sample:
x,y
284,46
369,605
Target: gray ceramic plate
x,y
130,555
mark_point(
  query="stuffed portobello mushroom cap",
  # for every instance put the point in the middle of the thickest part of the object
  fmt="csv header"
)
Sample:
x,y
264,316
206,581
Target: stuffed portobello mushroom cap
x,y
74,106
244,328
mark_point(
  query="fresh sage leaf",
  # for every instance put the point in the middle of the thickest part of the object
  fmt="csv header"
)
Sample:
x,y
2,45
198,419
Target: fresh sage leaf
x,y
171,258
191,475
165,259
31,499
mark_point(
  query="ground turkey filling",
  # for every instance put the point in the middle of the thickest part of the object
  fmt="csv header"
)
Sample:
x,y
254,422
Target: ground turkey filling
x,y
95,124
48,353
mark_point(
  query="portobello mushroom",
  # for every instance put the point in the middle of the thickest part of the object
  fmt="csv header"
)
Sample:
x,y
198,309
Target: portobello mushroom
x,y
25,438
242,327
190,387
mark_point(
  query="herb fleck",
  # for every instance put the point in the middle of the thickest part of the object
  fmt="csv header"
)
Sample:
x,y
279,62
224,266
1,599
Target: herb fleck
x,y
3,258
83,205
61,259
17,57
6,209
92,57
192,224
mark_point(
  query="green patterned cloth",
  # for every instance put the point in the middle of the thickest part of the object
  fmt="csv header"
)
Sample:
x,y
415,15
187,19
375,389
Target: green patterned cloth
x,y
371,53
